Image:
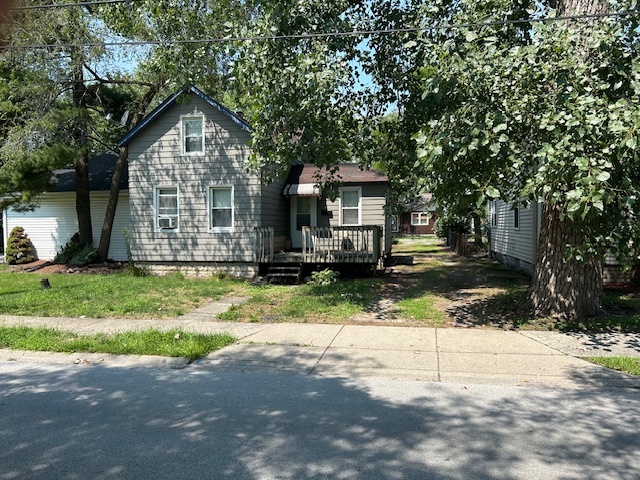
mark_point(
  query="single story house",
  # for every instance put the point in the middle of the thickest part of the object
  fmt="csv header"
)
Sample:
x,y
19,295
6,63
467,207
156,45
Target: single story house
x,y
514,232
54,221
193,205
419,216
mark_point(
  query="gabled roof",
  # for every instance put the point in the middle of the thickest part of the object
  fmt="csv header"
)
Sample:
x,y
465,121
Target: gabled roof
x,y
170,102
346,173
101,170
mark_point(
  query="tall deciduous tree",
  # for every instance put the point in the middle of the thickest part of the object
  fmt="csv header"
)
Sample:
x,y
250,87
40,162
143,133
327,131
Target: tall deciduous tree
x,y
301,94
548,115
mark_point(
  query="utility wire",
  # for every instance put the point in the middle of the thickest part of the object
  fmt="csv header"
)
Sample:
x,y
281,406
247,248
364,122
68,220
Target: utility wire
x,y
68,5
316,35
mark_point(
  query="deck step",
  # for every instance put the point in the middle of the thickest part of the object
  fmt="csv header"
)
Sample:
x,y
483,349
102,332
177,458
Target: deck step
x,y
290,273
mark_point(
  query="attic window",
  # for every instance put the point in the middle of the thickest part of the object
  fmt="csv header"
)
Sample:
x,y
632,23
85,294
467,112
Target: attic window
x,y
192,134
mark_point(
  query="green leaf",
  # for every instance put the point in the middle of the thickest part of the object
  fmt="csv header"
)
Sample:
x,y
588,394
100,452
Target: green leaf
x,y
631,143
492,192
603,176
500,128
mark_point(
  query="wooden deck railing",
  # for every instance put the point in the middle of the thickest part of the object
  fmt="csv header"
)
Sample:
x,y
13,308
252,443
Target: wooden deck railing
x,y
263,245
341,244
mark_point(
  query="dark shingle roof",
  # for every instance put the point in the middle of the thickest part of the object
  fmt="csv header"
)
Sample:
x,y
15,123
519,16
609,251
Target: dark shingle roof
x,y
347,173
101,170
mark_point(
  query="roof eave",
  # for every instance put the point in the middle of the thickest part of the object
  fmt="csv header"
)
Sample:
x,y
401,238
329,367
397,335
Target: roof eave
x,y
170,102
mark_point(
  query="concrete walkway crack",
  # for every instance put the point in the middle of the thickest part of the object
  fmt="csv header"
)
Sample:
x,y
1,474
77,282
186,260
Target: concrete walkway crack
x,y
325,351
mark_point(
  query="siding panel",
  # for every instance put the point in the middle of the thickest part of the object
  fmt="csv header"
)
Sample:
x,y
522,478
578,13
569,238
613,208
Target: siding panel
x,y
517,244
155,160
54,221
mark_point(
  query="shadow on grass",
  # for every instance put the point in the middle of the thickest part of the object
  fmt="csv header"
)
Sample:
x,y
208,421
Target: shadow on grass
x,y
485,293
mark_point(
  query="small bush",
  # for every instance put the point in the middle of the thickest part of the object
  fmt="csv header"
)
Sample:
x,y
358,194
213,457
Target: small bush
x,y
74,254
19,248
132,270
323,277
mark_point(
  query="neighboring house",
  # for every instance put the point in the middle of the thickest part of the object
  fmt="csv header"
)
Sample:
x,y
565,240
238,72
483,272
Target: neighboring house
x,y
514,232
53,221
195,206
419,216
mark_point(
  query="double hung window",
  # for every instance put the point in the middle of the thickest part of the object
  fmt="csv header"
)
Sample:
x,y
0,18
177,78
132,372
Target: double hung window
x,y
167,208
220,209
350,206
192,134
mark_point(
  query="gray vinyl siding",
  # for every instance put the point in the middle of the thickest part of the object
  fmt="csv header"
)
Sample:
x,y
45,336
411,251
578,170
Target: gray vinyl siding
x,y
373,203
274,208
514,246
374,200
54,221
155,161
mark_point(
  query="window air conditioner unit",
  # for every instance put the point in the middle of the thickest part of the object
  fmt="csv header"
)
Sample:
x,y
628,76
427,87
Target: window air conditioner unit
x,y
167,222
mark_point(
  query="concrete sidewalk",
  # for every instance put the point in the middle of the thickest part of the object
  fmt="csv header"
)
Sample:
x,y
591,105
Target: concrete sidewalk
x,y
427,354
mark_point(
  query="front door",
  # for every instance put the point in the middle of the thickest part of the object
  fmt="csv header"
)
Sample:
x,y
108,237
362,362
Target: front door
x,y
303,214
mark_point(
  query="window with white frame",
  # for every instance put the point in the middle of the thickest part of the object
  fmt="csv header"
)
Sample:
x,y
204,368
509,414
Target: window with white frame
x,y
420,218
167,208
220,209
493,219
516,216
350,206
192,134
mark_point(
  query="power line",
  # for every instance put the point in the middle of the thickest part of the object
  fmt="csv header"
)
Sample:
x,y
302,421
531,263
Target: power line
x,y
316,35
68,5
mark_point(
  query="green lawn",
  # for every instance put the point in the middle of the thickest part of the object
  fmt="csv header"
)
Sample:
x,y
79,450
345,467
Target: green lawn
x,y
624,364
173,343
112,295
333,303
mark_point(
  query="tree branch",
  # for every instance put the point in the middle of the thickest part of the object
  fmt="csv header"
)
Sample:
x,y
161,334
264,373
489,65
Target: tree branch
x,y
100,79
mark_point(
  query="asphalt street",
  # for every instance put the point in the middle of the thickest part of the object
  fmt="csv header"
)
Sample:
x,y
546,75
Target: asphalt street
x,y
89,421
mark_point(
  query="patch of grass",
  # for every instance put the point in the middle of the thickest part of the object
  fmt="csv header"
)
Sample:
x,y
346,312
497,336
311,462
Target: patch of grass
x,y
108,296
172,343
332,303
423,308
629,365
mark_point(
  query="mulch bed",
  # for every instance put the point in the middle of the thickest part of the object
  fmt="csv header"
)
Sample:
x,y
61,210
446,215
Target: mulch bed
x,y
47,267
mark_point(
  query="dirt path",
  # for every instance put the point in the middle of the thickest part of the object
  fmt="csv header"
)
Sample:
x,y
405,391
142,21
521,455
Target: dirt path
x,y
462,286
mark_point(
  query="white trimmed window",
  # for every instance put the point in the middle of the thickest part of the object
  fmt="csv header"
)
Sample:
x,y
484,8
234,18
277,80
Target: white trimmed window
x,y
516,217
419,218
493,218
192,134
221,209
350,206
167,208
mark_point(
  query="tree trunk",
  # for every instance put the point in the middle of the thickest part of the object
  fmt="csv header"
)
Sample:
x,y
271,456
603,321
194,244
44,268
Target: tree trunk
x,y
114,193
577,7
112,205
81,162
561,285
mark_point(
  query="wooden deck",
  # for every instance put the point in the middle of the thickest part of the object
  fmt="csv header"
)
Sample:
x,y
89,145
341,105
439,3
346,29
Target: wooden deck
x,y
323,245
